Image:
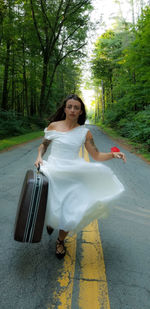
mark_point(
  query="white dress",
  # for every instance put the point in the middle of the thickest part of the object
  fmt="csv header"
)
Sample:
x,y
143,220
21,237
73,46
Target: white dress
x,y
79,191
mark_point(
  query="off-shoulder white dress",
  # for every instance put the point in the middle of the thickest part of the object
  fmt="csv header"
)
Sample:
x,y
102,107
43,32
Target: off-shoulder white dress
x,y
79,191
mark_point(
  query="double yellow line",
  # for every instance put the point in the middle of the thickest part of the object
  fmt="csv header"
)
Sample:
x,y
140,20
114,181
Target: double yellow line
x,y
93,290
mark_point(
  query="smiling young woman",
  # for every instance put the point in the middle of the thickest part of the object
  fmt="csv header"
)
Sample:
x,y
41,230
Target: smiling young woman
x,y
79,191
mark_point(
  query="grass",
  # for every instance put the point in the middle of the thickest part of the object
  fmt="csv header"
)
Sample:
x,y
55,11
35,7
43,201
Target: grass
x,y
17,140
138,148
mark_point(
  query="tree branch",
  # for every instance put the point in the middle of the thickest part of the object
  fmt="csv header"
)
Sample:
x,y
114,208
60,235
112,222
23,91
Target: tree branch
x,y
63,43
71,51
57,64
36,26
57,16
46,18
78,6
62,22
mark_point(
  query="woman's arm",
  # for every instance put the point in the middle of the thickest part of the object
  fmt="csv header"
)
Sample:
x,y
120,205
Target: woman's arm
x,y
100,156
41,150
43,147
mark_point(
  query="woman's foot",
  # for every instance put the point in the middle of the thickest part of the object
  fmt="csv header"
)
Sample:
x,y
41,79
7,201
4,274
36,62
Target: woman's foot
x,y
49,229
60,249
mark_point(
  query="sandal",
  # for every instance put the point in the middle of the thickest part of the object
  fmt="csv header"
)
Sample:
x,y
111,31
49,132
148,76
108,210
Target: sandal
x,y
60,249
49,229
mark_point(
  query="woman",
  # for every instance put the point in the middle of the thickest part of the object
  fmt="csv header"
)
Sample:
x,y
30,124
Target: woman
x,y
78,190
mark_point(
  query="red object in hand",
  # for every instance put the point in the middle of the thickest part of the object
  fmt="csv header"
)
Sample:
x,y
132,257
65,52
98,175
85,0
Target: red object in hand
x,y
115,149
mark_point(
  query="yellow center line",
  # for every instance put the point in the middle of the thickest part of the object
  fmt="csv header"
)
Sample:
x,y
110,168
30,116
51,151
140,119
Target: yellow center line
x,y
93,290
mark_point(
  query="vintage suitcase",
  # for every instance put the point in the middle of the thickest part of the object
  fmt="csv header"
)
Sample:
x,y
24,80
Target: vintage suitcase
x,y
31,207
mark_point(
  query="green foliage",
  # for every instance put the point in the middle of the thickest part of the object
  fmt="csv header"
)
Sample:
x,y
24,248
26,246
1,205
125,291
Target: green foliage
x,y
13,124
112,116
136,127
41,48
122,61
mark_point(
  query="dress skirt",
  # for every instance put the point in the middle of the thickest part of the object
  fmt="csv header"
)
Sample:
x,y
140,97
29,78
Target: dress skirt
x,y
79,191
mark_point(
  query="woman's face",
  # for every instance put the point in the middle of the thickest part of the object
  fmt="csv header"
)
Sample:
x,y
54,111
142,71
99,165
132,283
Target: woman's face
x,y
73,109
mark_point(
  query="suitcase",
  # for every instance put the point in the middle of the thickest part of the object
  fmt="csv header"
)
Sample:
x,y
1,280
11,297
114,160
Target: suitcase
x,y
31,208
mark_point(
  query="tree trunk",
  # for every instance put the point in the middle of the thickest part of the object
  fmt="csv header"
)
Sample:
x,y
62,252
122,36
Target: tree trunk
x,y
42,105
97,104
51,81
103,101
5,83
32,104
25,81
13,83
98,107
111,90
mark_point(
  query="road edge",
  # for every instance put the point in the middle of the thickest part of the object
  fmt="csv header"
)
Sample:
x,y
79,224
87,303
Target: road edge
x,y
125,145
21,144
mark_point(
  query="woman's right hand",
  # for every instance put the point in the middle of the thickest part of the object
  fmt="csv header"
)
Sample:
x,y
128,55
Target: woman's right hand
x,y
38,161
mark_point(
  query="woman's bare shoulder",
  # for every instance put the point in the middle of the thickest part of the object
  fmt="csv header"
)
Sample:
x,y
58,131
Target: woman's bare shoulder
x,y
52,126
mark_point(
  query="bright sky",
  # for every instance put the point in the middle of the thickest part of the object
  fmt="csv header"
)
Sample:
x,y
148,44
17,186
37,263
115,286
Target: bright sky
x,y
103,15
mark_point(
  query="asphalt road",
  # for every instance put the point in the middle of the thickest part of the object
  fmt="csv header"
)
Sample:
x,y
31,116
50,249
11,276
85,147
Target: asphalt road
x,y
30,272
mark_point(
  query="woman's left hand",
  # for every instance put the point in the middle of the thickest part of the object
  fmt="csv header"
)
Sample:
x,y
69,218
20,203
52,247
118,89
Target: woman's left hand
x,y
119,155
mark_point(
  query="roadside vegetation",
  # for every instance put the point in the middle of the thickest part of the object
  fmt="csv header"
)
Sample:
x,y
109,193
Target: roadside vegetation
x,y
137,148
121,78
17,140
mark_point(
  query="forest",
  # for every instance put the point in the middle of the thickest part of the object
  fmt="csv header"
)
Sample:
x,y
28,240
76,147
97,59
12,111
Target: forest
x,y
41,50
121,77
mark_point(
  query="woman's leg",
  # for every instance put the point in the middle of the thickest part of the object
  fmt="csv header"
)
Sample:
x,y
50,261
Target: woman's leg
x,y
60,248
62,235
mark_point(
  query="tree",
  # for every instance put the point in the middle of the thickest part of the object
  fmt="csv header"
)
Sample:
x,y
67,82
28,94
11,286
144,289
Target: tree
x,y
137,62
105,61
41,42
124,58
61,30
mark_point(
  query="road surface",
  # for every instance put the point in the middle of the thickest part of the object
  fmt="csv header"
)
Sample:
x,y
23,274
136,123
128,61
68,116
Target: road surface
x,y
31,275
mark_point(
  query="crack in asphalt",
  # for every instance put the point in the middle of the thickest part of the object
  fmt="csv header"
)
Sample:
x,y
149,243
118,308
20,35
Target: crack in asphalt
x,y
86,279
